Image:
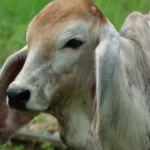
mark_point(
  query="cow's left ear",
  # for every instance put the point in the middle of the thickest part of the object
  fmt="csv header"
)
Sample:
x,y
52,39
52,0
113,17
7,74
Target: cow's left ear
x,y
8,73
11,120
106,54
12,66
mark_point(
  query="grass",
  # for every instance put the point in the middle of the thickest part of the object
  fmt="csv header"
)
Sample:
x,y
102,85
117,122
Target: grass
x,y
118,10
15,16
20,146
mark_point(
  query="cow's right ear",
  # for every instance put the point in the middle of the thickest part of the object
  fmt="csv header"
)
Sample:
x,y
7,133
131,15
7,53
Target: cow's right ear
x,y
11,120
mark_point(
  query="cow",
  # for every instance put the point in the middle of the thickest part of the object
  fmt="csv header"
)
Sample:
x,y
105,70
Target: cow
x,y
77,67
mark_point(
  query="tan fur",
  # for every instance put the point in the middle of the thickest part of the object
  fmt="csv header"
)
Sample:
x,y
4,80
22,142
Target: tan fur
x,y
55,16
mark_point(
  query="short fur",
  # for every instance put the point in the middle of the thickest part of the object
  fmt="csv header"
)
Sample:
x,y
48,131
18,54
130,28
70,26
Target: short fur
x,y
99,92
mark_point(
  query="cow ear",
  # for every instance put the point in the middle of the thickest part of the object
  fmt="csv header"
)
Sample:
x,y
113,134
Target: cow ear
x,y
10,120
106,54
12,67
8,73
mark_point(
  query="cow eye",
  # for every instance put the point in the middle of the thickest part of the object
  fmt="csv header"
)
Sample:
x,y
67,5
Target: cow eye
x,y
74,44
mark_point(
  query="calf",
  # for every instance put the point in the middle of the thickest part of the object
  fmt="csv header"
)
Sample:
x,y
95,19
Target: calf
x,y
78,68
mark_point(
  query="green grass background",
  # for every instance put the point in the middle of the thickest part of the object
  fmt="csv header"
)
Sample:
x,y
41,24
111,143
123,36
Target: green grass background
x,y
15,16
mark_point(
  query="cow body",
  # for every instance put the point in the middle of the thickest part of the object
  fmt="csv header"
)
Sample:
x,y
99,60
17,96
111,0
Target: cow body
x,y
125,112
124,119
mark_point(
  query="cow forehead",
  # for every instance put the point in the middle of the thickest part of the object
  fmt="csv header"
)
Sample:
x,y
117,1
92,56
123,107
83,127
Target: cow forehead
x,y
55,16
59,10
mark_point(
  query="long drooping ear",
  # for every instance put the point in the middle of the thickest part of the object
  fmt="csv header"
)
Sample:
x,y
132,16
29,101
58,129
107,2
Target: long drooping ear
x,y
11,120
106,55
12,66
8,73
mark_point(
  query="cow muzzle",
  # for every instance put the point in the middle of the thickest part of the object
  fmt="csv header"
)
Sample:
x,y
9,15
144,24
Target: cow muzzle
x,y
18,98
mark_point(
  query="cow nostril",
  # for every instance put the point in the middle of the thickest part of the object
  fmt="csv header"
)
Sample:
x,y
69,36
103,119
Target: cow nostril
x,y
22,95
17,98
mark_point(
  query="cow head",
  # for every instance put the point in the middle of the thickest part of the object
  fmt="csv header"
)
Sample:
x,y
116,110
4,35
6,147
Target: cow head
x,y
60,59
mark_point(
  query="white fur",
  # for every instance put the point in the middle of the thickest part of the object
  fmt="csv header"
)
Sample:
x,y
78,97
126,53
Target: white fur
x,y
124,118
63,60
